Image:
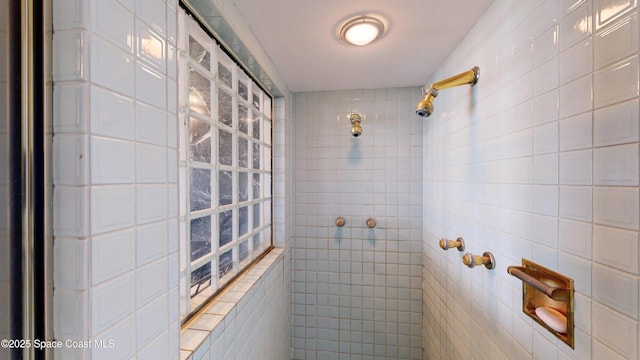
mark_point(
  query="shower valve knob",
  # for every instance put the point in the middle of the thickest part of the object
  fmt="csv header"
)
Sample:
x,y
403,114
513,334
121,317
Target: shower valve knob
x,y
446,244
371,223
340,221
486,259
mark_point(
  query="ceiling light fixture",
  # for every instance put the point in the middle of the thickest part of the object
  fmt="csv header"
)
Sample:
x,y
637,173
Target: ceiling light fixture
x,y
361,30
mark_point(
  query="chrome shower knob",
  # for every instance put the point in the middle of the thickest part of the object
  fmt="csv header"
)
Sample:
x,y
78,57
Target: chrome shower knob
x,y
340,221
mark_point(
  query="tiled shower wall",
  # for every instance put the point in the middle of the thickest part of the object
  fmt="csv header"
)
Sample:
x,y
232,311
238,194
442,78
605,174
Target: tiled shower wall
x,y
357,291
115,177
540,161
116,191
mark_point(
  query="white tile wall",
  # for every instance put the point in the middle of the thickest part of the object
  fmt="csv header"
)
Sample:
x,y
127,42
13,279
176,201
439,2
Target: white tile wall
x,y
616,82
576,61
616,247
617,40
111,114
112,254
576,132
257,327
71,111
74,171
349,287
69,55
575,201
112,208
356,291
583,156
116,196
615,330
616,124
616,206
112,173
616,165
111,302
575,237
575,167
576,96
111,161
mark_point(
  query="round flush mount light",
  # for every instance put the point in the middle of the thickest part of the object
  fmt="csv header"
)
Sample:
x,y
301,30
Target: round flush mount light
x,y
361,30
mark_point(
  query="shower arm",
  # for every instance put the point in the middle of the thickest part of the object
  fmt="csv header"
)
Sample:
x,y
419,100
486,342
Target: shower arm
x,y
424,108
466,78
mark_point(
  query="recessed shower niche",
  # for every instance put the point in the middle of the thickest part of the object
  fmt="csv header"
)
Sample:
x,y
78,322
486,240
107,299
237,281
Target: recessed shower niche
x,y
547,298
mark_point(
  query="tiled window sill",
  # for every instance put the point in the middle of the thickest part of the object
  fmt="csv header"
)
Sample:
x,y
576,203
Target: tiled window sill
x,y
206,328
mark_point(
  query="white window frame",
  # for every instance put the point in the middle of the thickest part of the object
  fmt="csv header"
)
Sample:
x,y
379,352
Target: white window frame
x,y
257,240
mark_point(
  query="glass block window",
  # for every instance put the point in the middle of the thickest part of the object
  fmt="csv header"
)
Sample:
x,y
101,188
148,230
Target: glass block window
x,y
225,168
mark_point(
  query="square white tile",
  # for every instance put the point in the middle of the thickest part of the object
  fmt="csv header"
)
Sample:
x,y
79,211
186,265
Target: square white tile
x,y
617,124
616,206
616,165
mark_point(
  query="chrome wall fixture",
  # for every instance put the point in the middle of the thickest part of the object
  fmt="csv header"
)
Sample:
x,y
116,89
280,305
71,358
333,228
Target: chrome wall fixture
x,y
424,108
356,129
340,221
446,244
371,223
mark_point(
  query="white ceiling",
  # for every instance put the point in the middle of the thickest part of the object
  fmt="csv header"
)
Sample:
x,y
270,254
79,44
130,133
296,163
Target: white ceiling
x,y
300,37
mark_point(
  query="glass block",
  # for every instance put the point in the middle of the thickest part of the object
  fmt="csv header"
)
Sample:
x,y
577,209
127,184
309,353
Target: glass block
x,y
199,93
226,227
225,75
200,237
256,101
256,216
243,119
225,190
267,131
243,153
200,189
266,106
266,236
243,90
257,243
256,124
266,209
243,251
226,263
225,148
266,184
256,186
243,186
200,279
266,150
256,155
225,108
198,53
199,140
243,214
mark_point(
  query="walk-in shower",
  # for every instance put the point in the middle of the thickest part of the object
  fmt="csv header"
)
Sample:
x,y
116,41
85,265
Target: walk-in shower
x,y
425,106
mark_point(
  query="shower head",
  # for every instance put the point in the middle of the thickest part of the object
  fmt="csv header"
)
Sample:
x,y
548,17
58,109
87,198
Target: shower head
x,y
356,130
424,108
